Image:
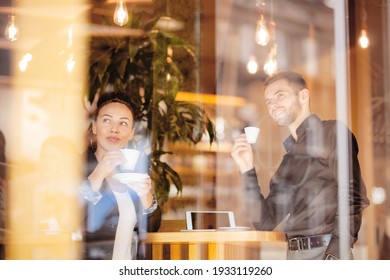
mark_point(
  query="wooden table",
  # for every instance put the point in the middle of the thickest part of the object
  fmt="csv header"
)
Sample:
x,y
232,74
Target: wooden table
x,y
220,244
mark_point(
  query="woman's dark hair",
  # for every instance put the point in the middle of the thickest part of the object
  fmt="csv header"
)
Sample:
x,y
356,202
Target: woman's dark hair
x,y
115,96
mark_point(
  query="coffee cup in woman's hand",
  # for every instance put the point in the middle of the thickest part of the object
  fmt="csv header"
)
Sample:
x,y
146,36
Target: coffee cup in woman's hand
x,y
131,156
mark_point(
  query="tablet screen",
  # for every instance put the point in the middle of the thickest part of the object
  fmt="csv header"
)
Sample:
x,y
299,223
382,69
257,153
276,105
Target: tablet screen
x,y
199,220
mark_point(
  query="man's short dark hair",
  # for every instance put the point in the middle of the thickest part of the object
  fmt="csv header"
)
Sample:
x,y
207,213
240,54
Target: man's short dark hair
x,y
294,79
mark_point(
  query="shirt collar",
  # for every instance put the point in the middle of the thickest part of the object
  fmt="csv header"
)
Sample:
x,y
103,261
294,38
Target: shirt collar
x,y
309,121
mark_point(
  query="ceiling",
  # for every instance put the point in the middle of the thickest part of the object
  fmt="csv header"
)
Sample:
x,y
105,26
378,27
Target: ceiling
x,y
232,13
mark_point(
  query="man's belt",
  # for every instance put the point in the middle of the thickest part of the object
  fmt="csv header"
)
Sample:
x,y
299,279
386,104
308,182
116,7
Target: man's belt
x,y
308,242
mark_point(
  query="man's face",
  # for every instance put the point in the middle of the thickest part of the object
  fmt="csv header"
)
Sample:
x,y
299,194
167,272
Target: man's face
x,y
282,102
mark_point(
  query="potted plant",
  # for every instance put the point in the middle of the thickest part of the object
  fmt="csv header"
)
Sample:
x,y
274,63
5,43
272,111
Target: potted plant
x,y
143,66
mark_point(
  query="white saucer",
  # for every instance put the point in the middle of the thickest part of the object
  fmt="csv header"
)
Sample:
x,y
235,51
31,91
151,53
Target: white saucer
x,y
126,178
234,228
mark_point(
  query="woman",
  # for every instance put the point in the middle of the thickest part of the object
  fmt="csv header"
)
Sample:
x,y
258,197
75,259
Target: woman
x,y
114,208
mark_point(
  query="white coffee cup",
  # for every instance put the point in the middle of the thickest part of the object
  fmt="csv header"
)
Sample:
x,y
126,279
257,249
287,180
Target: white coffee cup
x,y
251,134
131,156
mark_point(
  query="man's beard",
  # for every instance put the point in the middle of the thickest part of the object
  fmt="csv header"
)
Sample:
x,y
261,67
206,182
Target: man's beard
x,y
289,115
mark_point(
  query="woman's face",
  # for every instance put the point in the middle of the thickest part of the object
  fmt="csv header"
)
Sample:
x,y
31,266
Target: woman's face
x,y
113,127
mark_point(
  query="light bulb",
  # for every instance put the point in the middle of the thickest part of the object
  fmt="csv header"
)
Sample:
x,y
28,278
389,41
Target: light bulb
x,y
262,34
363,39
11,31
252,66
121,17
271,64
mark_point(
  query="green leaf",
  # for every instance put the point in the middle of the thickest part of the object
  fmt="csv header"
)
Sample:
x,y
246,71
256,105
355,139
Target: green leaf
x,y
102,67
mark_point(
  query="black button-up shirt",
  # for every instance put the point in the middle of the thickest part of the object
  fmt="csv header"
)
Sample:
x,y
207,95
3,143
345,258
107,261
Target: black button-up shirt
x,y
305,186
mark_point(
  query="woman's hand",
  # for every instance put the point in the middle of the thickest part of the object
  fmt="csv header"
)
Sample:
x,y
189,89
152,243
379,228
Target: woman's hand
x,y
105,168
242,154
143,188
144,191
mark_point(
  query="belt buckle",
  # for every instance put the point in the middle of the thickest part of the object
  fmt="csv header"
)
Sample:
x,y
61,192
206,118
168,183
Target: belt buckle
x,y
298,241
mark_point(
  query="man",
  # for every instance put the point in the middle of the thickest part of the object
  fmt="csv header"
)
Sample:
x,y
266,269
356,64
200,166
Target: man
x,y
304,189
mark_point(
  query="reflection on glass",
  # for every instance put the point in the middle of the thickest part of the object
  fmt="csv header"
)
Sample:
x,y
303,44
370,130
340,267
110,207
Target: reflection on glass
x,y
363,39
70,63
23,64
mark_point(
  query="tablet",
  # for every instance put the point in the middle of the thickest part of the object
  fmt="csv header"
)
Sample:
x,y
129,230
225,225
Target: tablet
x,y
198,220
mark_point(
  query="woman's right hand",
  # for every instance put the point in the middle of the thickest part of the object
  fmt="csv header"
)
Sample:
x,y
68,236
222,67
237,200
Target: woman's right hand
x,y
242,153
105,168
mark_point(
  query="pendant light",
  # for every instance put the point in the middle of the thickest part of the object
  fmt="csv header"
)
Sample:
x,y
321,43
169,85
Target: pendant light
x,y
271,63
364,41
11,31
262,35
121,16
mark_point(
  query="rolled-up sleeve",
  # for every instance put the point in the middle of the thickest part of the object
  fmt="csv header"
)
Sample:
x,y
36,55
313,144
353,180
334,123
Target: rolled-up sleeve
x,y
87,192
